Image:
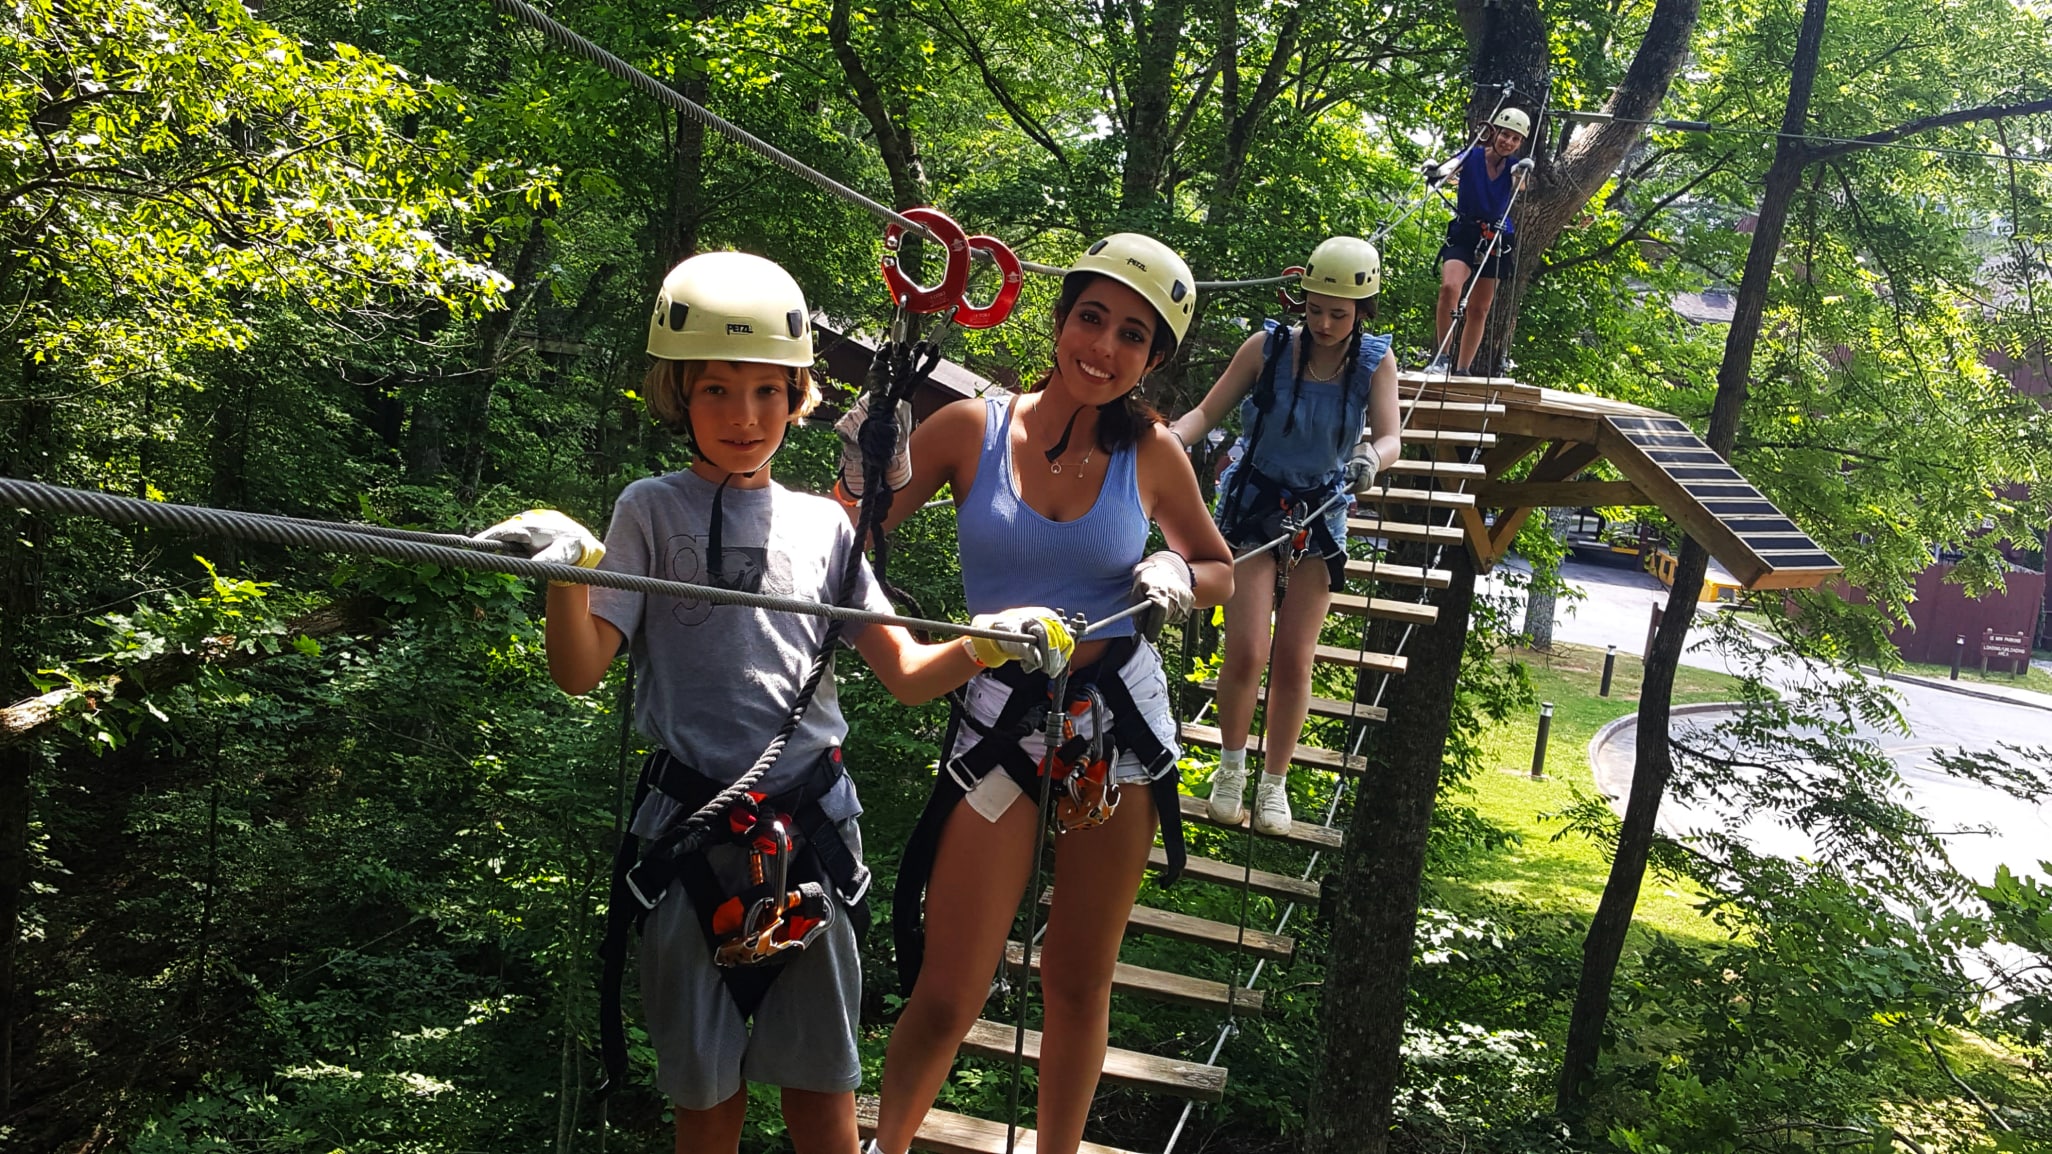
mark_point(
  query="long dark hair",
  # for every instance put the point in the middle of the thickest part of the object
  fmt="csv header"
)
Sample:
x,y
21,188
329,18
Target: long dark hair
x,y
1118,422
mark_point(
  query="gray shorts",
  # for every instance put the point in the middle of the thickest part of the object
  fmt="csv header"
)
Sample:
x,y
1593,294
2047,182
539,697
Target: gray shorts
x,y
802,1036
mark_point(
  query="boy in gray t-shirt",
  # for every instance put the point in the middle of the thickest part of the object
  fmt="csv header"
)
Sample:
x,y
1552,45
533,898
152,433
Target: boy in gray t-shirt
x,y
715,682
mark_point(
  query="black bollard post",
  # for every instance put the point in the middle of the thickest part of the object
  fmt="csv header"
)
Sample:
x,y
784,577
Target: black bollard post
x,y
1958,651
1539,745
1609,667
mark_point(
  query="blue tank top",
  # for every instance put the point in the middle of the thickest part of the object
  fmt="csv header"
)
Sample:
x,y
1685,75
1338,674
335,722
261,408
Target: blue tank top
x,y
1013,556
1307,453
1479,197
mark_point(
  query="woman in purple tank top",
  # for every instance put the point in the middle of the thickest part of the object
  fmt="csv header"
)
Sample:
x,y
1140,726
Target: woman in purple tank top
x,y
1054,492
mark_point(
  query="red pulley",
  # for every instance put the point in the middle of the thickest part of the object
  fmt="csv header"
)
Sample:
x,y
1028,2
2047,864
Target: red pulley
x,y
1290,304
972,317
948,292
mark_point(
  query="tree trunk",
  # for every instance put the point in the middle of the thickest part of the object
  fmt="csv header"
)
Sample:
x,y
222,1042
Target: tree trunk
x,y
1150,91
1605,941
495,333
687,173
894,141
1541,601
1380,874
26,451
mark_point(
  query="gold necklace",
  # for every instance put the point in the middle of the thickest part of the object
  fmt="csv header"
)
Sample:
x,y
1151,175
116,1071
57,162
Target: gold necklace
x,y
1055,465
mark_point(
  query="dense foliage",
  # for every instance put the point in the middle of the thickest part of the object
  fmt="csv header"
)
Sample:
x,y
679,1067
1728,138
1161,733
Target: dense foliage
x,y
306,853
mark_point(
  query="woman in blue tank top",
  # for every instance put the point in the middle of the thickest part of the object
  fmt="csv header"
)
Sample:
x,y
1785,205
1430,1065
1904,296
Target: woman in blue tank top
x,y
1054,492
1304,395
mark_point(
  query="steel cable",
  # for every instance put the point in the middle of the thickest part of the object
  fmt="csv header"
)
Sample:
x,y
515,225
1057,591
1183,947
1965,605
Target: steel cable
x,y
335,537
569,38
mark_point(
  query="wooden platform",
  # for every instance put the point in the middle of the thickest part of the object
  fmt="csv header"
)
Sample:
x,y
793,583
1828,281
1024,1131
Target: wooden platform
x,y
1306,756
1162,986
1156,1075
1448,437
1308,834
945,1133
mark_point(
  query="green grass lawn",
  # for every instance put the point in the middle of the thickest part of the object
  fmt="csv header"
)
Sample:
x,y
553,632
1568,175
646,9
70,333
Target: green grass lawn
x,y
1568,875
2033,679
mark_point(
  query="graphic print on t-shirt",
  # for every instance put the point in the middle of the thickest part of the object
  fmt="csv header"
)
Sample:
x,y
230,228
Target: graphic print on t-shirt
x,y
745,568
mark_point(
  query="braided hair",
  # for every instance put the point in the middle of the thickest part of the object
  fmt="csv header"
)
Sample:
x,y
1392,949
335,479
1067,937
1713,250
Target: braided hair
x,y
1364,309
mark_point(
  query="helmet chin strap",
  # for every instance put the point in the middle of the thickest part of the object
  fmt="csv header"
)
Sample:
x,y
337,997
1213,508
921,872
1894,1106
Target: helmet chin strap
x,y
716,571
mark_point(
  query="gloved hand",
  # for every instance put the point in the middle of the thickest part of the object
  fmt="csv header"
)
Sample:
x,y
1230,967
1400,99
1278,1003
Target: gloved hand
x,y
1169,586
1027,619
898,473
549,536
1362,466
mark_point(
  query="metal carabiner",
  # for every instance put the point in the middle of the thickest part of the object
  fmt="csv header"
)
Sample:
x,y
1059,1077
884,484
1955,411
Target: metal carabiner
x,y
947,293
988,316
1290,304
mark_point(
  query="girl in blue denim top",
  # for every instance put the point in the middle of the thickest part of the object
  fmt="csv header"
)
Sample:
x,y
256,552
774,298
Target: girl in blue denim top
x,y
1305,394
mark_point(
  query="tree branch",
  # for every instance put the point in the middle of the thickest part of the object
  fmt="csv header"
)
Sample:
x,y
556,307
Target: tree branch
x,y
1817,152
1633,231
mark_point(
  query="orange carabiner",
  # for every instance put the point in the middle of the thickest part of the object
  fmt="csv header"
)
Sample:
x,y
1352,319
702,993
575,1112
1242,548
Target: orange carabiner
x,y
915,297
1290,304
988,316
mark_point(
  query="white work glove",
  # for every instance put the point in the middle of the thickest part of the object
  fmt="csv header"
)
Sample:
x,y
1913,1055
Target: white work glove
x,y
898,473
1167,583
549,536
1035,619
1362,466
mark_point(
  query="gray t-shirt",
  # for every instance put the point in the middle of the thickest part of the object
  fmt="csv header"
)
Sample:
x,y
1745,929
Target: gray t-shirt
x,y
714,682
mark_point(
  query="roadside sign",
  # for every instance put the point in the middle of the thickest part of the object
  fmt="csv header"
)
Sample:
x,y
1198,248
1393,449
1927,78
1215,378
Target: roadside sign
x,y
2014,646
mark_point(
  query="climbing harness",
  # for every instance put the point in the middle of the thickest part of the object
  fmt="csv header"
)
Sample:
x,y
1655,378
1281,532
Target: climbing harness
x,y
1096,721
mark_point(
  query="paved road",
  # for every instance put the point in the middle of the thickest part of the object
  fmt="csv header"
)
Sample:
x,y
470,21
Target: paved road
x,y
1615,611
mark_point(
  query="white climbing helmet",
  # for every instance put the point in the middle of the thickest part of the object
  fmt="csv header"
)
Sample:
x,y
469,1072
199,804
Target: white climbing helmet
x,y
731,306
1514,120
1343,266
1148,267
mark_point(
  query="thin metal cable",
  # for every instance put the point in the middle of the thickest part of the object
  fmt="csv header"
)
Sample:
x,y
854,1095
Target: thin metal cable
x,y
565,37
1058,692
338,538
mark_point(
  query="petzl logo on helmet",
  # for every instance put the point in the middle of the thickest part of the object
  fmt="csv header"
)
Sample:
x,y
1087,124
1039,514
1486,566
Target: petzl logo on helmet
x,y
740,329
1136,264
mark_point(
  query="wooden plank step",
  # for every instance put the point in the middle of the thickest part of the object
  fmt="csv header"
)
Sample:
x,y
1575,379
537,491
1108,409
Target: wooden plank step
x,y
1431,405
1198,931
1306,757
1398,574
1402,530
1462,381
1322,706
1422,466
1371,661
1282,887
1437,498
1163,986
1150,1072
946,1133
1309,835
1385,609
1460,437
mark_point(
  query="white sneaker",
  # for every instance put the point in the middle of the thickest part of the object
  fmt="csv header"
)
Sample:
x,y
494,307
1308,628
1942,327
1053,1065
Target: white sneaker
x,y
1272,805
1228,792
1439,365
